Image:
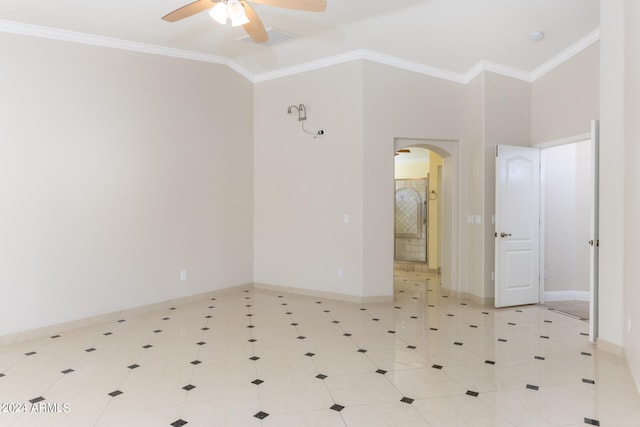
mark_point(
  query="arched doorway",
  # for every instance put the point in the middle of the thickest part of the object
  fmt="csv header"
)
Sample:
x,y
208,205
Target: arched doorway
x,y
447,202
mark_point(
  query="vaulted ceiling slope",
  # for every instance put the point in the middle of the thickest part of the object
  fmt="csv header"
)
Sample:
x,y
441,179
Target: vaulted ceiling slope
x,y
453,39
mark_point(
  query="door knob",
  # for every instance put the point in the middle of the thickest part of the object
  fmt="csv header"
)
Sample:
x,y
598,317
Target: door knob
x,y
503,234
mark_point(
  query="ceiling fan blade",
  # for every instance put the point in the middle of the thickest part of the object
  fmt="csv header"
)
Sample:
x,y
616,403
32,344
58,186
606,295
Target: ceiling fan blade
x,y
254,27
308,5
189,10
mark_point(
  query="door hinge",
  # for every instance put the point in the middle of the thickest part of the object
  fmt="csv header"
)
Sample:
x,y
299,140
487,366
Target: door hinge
x,y
595,243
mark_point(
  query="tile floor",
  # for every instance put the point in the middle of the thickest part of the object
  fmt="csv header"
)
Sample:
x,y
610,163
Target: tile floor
x,y
258,358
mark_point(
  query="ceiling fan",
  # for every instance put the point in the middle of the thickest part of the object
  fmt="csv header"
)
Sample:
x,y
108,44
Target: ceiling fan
x,y
240,12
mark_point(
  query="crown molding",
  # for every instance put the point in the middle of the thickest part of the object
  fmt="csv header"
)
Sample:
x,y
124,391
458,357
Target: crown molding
x,y
84,38
566,54
361,54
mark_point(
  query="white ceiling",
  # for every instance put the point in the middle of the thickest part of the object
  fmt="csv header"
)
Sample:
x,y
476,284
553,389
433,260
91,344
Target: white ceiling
x,y
450,35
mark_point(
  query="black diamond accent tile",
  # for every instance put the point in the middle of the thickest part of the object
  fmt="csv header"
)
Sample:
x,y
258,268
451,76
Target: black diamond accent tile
x,y
196,362
67,371
211,306
106,334
1,375
208,317
31,353
318,302
336,321
204,329
518,311
458,343
431,305
532,387
450,315
178,423
122,320
414,317
284,303
591,422
301,337
406,400
157,331
249,315
252,340
363,309
485,312
134,366
254,358
472,393
391,332
412,347
502,340
261,415
201,343
257,382
511,324
248,305
490,362
548,321
433,329
473,326
310,354
327,311
289,313
189,387
585,380
251,326
362,350
347,334
445,296
321,376
89,350
544,337
37,399
147,346
381,371
115,393
375,319
436,366
55,336
166,318
584,334
337,407
539,357
213,299
172,308
584,353
294,324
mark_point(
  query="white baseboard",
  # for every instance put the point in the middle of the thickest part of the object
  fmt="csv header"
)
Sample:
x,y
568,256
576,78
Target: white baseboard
x,y
567,296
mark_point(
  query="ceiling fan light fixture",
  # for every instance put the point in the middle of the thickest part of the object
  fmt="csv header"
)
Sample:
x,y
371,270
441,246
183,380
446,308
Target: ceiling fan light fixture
x,y
235,11
219,13
240,21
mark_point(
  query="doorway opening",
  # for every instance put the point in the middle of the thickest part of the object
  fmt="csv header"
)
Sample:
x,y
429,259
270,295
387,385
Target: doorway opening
x,y
567,197
425,229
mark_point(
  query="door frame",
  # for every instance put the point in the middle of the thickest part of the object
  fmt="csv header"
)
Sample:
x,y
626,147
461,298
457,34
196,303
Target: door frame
x,y
593,315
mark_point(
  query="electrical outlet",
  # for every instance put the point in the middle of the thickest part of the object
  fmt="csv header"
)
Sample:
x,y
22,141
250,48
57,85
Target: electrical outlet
x,y
183,276
339,273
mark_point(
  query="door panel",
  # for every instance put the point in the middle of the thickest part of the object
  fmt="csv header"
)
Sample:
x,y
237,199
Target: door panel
x,y
517,232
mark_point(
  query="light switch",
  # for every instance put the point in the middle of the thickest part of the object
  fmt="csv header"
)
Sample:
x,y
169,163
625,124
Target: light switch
x,y
346,218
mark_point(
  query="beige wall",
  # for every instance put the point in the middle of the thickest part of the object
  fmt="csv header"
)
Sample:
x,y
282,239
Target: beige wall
x,y
118,170
612,178
397,104
632,189
304,186
566,99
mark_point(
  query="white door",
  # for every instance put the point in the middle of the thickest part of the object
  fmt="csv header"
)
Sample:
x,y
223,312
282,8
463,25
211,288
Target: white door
x,y
594,242
517,226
